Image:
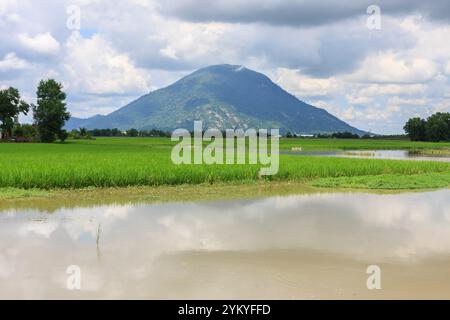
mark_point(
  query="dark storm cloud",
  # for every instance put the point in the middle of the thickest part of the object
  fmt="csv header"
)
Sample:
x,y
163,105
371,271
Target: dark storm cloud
x,y
297,12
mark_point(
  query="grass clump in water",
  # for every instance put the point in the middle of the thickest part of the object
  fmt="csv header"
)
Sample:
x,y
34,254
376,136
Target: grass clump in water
x,y
388,181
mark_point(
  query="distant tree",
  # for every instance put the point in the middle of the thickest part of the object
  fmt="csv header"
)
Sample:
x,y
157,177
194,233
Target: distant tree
x,y
345,135
132,133
437,127
10,108
63,135
25,132
116,132
74,134
50,114
83,132
415,129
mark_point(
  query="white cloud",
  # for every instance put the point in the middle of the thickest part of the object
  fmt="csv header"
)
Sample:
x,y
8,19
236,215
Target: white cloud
x,y
431,38
373,90
169,52
339,65
442,105
5,5
12,62
447,68
194,42
358,99
402,101
349,114
392,68
93,66
42,43
304,86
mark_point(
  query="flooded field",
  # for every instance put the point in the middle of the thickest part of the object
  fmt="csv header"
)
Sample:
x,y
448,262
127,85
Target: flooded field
x,y
378,154
308,246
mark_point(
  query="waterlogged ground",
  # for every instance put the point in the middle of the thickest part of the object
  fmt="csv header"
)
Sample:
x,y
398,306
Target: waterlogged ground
x,y
309,245
379,154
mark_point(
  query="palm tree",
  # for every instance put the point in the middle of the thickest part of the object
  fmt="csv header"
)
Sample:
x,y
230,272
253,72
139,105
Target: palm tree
x,y
83,132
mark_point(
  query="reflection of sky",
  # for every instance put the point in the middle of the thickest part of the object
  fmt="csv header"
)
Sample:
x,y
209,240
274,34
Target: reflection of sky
x,y
35,247
378,154
392,154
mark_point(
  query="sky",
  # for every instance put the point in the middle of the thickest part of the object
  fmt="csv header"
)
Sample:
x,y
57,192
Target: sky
x,y
373,67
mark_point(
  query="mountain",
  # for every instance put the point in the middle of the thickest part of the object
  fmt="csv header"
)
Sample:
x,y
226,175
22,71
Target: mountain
x,y
224,97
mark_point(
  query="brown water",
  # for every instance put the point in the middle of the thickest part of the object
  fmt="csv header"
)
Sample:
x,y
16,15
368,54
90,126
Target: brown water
x,y
292,247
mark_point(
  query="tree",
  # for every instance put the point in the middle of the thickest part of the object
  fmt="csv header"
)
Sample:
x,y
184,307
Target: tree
x,y
345,135
10,108
415,129
116,132
25,132
437,127
132,133
50,114
83,132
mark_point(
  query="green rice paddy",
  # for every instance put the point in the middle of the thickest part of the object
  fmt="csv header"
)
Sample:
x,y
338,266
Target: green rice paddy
x,y
124,162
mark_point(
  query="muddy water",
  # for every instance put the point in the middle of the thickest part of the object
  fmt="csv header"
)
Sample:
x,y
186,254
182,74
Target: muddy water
x,y
291,247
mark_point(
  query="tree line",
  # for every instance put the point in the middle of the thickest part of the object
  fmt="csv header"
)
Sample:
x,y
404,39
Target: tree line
x,y
49,114
83,133
435,128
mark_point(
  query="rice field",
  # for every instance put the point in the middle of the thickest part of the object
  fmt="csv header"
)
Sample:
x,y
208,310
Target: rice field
x,y
122,162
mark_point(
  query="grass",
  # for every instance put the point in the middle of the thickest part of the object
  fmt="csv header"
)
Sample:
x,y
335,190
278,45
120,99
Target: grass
x,y
432,152
388,182
361,144
53,200
8,193
124,162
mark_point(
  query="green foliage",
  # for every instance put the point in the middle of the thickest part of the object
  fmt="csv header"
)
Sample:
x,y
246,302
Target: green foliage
x,y
132,133
415,129
25,132
63,135
436,128
340,135
81,134
154,133
106,133
117,133
10,108
50,114
113,162
388,181
344,135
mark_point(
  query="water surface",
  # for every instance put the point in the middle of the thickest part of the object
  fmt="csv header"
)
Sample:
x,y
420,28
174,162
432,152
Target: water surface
x,y
376,154
286,247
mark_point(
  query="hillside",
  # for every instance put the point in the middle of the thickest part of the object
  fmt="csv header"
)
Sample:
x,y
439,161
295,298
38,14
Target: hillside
x,y
223,96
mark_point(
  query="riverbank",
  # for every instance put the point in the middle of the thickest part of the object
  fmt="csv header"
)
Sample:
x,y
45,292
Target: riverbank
x,y
51,200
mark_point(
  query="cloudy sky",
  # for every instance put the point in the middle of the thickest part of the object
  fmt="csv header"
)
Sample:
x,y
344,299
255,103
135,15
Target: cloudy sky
x,y
320,50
